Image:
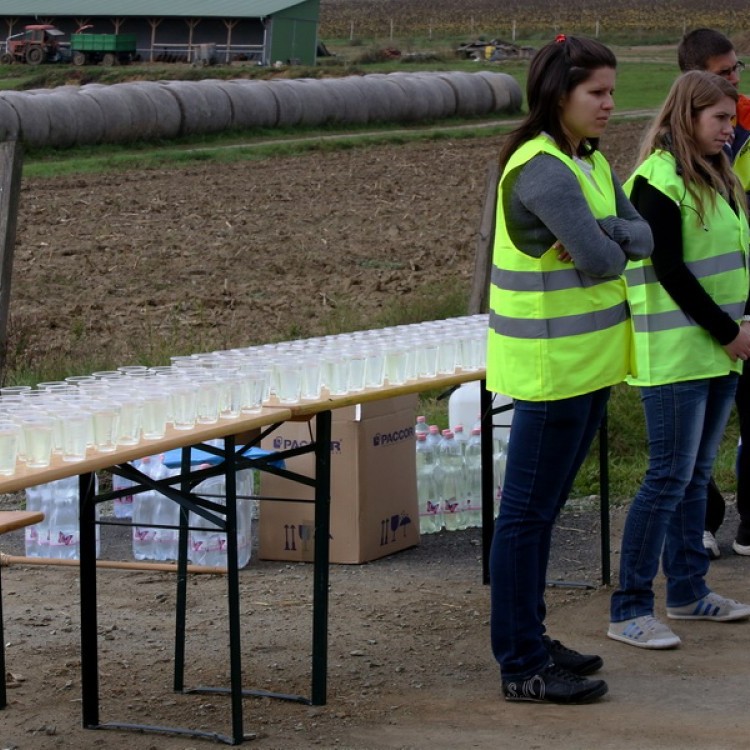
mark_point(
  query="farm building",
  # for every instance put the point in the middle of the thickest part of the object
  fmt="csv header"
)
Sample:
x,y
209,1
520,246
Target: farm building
x,y
264,31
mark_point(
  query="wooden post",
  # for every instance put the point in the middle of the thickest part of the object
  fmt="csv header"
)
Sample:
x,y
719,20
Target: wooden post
x,y
11,161
480,285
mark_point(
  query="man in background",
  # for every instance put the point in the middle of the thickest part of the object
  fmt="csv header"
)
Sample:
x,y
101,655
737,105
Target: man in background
x,y
706,49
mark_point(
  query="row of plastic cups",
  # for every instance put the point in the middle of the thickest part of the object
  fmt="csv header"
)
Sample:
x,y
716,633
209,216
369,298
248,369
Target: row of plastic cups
x,y
38,424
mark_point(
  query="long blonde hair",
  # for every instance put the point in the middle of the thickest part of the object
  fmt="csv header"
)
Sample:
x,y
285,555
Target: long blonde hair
x,y
673,130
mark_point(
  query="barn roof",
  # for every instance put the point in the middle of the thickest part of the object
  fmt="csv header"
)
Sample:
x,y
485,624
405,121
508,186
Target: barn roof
x,y
146,8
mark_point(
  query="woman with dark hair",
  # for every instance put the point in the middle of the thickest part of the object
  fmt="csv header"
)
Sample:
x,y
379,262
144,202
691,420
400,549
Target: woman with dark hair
x,y
559,337
688,301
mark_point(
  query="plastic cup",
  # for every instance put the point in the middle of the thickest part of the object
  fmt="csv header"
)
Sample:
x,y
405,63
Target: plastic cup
x,y
311,379
106,418
37,434
375,367
75,431
230,393
395,365
289,386
14,390
254,387
184,398
154,415
207,410
10,433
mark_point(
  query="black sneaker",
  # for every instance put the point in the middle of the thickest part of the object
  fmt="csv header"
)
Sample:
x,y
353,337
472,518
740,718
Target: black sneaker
x,y
554,685
572,661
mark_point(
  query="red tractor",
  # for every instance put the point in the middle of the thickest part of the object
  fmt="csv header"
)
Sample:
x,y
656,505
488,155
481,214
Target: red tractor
x,y
34,45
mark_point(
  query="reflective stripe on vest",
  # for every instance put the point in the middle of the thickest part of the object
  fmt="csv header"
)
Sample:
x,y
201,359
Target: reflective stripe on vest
x,y
669,345
554,332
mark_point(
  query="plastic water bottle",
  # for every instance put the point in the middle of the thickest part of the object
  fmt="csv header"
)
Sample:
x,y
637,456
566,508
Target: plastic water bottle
x,y
36,537
473,473
460,437
433,437
451,490
64,529
430,512
144,504
208,544
166,513
123,506
421,427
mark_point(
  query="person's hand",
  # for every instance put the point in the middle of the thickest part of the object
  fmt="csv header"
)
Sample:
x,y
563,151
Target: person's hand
x,y
562,254
739,348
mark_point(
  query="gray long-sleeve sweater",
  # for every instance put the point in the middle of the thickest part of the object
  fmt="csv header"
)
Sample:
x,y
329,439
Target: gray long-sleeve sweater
x,y
543,203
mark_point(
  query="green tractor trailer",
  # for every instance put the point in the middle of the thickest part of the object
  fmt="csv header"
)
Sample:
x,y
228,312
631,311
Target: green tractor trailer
x,y
107,49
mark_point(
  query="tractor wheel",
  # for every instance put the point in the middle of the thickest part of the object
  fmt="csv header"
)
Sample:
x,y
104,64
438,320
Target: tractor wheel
x,y
34,55
79,58
109,60
6,59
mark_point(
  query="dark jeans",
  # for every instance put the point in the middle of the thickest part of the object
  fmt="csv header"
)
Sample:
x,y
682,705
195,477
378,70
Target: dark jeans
x,y
548,442
685,422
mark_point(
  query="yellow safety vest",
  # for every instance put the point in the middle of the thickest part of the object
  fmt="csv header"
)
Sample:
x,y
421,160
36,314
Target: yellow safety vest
x,y
670,346
554,332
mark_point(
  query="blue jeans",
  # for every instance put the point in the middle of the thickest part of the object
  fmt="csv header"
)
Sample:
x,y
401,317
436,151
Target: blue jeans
x,y
548,442
685,423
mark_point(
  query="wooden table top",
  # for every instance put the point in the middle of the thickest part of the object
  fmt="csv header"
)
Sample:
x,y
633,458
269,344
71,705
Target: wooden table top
x,y
96,461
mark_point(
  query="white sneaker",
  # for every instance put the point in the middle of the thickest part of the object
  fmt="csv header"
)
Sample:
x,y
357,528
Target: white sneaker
x,y
711,607
741,549
711,545
644,632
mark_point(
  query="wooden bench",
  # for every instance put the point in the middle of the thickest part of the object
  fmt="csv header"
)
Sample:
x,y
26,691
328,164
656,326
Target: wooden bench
x,y
10,520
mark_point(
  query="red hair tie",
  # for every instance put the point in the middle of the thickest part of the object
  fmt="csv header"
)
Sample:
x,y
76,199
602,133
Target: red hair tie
x,y
560,38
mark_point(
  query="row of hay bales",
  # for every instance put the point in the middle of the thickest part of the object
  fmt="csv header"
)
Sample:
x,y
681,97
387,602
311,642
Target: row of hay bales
x,y
95,113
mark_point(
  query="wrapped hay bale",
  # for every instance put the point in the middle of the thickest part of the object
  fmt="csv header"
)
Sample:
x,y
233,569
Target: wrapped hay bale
x,y
195,109
10,127
424,92
505,91
253,104
33,117
115,107
218,102
320,104
168,117
144,117
288,102
398,102
443,90
65,118
473,95
354,104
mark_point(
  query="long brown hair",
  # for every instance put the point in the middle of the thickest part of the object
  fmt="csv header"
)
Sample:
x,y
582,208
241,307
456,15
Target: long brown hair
x,y
673,130
556,69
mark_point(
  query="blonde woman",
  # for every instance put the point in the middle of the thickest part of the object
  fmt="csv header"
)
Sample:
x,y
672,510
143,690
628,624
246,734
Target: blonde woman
x,y
687,302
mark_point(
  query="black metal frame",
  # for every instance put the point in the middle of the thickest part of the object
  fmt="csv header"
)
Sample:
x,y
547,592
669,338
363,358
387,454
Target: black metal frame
x,y
225,517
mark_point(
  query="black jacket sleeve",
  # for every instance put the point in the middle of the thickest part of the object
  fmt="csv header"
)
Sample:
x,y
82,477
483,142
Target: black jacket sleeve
x,y
663,216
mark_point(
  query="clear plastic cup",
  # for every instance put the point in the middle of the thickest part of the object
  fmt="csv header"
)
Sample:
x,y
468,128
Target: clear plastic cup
x,y
208,400
155,412
106,417
184,398
75,432
10,433
37,434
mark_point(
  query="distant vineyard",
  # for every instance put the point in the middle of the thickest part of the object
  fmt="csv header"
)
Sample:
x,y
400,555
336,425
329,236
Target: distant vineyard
x,y
379,18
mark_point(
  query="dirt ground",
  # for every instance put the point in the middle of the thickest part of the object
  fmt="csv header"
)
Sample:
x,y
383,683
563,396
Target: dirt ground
x,y
209,257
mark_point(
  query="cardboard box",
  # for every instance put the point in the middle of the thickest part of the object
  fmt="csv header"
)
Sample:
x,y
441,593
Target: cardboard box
x,y
374,509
